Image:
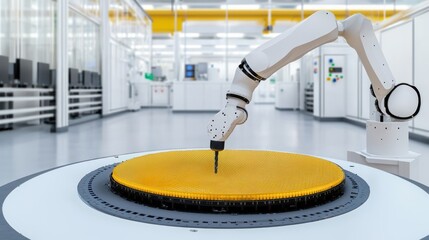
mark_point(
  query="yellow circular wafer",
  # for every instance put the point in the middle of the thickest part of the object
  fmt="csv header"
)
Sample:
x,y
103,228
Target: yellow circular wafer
x,y
243,175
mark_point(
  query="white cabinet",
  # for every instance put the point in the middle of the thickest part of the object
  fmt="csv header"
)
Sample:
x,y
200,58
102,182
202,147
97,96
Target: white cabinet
x,y
153,94
199,96
287,95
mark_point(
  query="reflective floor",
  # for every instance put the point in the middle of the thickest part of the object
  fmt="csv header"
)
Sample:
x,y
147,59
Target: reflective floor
x,y
29,150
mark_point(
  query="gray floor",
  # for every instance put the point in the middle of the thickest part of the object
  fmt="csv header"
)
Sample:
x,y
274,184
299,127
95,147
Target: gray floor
x,y
29,150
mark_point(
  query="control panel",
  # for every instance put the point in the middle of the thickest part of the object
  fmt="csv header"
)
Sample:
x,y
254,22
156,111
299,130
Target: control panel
x,y
334,66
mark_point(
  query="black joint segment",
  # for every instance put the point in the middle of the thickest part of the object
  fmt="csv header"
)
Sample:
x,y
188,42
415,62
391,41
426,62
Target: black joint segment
x,y
232,95
386,100
245,111
217,145
246,65
245,68
371,89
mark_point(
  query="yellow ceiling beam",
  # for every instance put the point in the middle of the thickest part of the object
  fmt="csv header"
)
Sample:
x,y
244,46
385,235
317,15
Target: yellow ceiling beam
x,y
163,20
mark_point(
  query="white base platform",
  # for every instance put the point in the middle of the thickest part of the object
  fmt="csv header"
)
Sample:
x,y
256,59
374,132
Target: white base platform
x,y
407,166
48,207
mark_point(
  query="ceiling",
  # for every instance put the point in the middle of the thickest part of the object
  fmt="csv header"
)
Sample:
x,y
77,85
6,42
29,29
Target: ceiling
x,y
258,4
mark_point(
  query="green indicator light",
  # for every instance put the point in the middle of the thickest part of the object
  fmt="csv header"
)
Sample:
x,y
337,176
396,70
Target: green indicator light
x,y
330,74
341,76
333,65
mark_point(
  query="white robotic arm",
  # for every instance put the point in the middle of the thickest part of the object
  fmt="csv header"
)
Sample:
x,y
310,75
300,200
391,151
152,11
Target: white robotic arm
x,y
399,102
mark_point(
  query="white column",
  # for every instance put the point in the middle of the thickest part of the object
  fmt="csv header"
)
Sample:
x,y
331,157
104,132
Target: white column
x,y
105,55
62,85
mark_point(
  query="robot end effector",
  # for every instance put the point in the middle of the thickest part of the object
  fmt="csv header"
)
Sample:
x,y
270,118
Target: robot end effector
x,y
400,102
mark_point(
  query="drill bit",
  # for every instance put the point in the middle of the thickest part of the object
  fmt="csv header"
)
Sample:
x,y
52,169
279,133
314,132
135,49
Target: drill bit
x,y
216,158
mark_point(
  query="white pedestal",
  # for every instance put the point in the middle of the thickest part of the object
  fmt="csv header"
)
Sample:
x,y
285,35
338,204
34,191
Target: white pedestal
x,y
407,166
387,149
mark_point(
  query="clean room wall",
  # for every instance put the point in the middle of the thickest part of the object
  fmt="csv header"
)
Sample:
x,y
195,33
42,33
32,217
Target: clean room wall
x,y
397,46
421,65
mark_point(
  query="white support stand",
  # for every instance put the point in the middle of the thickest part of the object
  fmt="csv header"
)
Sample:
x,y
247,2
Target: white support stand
x,y
387,149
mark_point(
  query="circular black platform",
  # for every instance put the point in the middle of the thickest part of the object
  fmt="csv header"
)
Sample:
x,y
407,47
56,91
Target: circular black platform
x,y
238,207
95,190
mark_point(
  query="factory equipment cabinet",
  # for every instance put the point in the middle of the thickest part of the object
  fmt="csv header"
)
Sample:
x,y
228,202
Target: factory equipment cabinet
x,y
84,102
309,98
153,94
31,105
287,95
199,95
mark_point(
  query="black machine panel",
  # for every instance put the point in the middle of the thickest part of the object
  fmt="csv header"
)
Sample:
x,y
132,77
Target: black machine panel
x,y
96,80
24,71
53,76
43,75
11,72
4,70
87,78
73,77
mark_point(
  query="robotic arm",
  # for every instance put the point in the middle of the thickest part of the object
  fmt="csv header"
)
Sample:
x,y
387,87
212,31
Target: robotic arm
x,y
400,102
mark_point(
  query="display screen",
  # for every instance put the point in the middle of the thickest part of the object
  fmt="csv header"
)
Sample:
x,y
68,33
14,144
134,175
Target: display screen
x,y
190,74
189,67
335,70
24,71
87,78
4,69
43,77
73,77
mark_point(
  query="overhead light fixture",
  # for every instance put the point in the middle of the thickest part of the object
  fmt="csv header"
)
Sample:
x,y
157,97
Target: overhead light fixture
x,y
194,53
230,35
183,7
377,7
190,46
166,53
253,46
239,53
225,46
147,6
270,35
159,46
240,6
189,35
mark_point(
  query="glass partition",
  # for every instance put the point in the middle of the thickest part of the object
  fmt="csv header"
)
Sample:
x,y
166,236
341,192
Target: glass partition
x,y
83,42
37,31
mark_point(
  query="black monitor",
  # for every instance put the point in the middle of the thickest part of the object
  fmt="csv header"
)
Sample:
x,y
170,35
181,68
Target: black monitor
x,y
24,71
80,79
95,80
98,81
11,72
87,78
4,70
73,77
53,75
189,71
43,75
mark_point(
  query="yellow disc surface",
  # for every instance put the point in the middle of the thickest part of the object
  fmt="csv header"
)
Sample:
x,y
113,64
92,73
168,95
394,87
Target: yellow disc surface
x,y
243,175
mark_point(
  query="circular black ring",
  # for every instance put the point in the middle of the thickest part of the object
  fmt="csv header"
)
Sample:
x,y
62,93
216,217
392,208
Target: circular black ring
x,y
386,100
95,190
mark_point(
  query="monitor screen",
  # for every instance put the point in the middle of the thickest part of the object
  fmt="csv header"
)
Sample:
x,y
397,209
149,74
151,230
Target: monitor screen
x,y
4,69
53,75
11,71
24,71
189,74
189,67
87,78
335,70
43,78
73,77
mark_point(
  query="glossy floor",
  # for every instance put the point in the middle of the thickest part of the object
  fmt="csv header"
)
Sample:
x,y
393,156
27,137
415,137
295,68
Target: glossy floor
x,y
29,150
